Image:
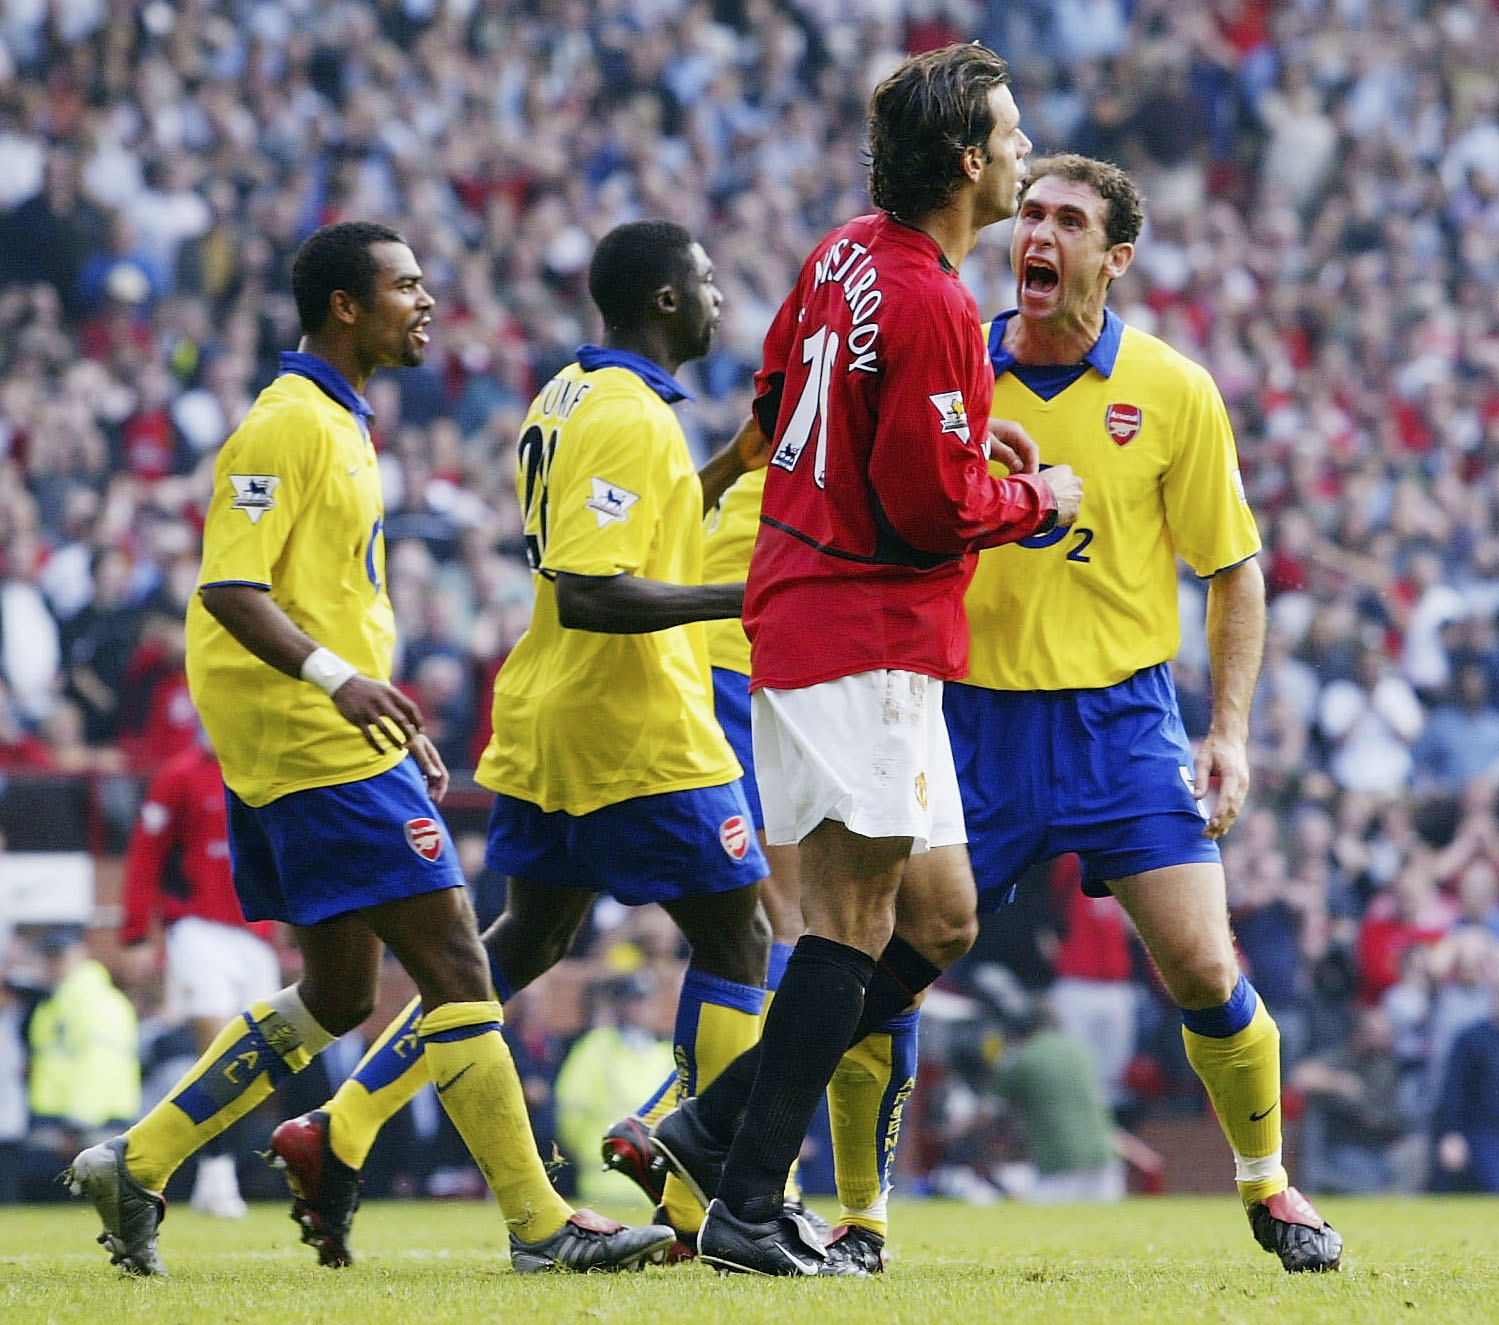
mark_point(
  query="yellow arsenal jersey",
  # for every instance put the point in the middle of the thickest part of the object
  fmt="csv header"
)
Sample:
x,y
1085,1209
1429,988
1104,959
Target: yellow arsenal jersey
x,y
296,510
728,539
584,719
1088,605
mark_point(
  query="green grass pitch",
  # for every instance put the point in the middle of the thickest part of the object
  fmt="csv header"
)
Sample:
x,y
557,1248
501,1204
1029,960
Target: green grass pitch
x,y
1150,1259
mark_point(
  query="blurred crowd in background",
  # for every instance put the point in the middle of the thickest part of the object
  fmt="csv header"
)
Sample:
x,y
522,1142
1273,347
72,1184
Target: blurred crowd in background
x,y
1322,184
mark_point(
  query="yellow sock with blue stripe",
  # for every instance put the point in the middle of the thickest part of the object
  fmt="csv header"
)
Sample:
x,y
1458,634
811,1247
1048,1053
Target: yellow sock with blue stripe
x,y
246,1061
1235,1051
717,1020
663,1100
391,1072
477,1084
669,1094
866,1099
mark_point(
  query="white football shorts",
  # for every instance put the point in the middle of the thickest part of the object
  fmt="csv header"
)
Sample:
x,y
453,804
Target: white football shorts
x,y
869,750
215,971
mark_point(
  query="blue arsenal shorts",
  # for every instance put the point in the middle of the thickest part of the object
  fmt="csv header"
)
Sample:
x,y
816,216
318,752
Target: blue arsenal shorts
x,y
1106,773
647,849
731,706
313,855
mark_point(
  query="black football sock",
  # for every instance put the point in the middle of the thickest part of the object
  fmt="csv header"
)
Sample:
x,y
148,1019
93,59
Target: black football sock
x,y
902,973
809,1027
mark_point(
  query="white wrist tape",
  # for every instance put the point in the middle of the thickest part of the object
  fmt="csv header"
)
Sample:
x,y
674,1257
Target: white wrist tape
x,y
326,670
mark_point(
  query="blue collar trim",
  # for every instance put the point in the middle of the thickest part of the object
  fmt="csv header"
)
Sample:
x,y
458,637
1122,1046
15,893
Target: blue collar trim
x,y
1103,356
593,357
331,382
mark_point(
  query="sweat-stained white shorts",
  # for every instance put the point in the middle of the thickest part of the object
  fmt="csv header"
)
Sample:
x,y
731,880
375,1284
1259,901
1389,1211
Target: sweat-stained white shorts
x,y
214,971
869,750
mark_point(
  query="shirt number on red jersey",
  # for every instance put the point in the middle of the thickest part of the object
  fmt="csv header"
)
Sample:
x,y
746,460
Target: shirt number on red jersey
x,y
819,351
534,454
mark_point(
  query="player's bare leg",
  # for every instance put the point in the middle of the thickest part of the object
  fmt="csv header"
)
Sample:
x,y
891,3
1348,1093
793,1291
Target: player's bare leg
x,y
1233,1045
848,885
434,937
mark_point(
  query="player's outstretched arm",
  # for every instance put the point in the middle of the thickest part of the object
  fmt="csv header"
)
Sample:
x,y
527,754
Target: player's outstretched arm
x,y
633,605
1236,641
749,450
382,713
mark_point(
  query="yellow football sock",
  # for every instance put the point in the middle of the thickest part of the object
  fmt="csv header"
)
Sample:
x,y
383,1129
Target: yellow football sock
x,y
477,1084
259,1048
1242,1075
717,1020
389,1074
866,1099
666,1098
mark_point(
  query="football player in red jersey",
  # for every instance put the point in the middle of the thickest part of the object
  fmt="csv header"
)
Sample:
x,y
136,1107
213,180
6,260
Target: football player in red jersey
x,y
177,875
875,392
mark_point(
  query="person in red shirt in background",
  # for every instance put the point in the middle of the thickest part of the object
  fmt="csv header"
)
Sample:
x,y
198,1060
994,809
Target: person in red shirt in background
x,y
177,877
1093,997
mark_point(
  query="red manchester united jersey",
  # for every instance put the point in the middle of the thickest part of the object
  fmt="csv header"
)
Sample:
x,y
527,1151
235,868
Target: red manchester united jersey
x,y
177,863
875,389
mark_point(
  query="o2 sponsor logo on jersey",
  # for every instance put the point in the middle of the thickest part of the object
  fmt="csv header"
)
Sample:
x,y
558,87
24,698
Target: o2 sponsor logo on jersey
x,y
424,837
734,836
1123,423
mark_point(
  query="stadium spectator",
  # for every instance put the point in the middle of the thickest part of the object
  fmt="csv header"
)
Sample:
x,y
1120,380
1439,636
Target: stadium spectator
x,y
1460,741
99,643
1050,1082
1465,1120
1411,912
1357,1136
1342,312
1092,1001
1370,722
619,1059
177,890
84,1072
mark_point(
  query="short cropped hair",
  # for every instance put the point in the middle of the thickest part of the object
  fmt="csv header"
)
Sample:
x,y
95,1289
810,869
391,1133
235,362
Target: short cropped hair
x,y
1126,208
337,257
631,263
920,120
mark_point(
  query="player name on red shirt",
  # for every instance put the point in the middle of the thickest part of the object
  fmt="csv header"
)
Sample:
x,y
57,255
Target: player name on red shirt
x,y
875,389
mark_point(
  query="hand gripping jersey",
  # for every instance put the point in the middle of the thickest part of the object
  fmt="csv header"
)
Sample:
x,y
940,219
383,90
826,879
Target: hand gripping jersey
x,y
875,389
1087,606
584,719
297,511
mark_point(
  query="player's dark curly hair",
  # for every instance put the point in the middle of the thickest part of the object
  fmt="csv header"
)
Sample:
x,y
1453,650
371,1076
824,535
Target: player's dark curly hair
x,y
337,257
631,263
920,120
1126,214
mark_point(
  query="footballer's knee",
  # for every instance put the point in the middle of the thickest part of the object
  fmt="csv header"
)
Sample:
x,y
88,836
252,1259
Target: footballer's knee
x,y
942,937
338,1010
936,909
731,939
1200,977
526,952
